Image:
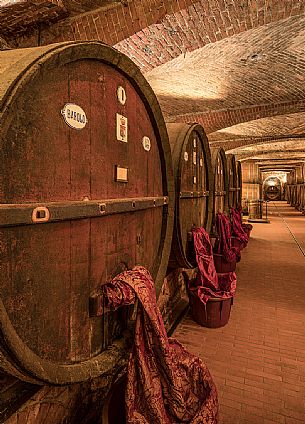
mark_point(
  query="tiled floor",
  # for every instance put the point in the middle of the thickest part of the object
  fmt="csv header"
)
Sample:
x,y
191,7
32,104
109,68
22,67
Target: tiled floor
x,y
258,359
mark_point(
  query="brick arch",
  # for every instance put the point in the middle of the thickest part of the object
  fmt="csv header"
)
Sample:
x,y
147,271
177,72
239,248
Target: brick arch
x,y
273,156
4,45
141,28
229,145
199,24
218,119
248,77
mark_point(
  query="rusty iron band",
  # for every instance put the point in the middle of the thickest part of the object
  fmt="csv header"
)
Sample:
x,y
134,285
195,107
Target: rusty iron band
x,y
193,194
39,213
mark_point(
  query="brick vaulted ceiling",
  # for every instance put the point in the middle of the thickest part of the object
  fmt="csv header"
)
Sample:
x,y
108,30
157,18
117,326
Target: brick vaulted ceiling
x,y
236,66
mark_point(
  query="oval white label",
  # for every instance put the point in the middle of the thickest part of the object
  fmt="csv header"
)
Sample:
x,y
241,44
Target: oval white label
x,y
201,162
146,143
186,156
121,93
74,116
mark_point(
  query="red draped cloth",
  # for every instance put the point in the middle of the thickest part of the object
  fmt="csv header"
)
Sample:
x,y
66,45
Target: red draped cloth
x,y
165,383
208,283
237,229
223,246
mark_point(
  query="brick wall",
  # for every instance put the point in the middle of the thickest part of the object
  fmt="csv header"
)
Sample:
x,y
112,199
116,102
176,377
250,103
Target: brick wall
x,y
249,76
178,32
147,25
4,45
218,119
18,17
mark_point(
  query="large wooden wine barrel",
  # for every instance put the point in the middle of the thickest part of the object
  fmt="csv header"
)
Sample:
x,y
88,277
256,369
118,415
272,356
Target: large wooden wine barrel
x,y
193,179
293,187
251,183
289,186
86,188
220,183
238,184
302,206
232,178
299,183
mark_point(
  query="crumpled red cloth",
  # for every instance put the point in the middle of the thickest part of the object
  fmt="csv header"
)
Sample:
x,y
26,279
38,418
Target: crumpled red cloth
x,y
165,383
223,246
237,229
208,283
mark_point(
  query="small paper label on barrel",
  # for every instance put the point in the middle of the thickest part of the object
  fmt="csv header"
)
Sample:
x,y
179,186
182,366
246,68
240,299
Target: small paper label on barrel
x,y
121,174
121,93
201,162
146,143
195,180
121,128
194,142
186,156
74,116
194,158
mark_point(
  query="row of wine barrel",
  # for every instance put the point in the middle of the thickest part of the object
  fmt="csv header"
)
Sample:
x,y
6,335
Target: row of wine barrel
x,y
295,188
89,187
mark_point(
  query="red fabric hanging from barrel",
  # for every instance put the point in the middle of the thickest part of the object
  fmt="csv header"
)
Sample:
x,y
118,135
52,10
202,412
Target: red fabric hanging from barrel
x,y
237,229
208,283
165,383
223,245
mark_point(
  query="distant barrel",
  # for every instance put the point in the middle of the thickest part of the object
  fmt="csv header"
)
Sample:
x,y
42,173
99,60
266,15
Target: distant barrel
x,y
232,181
272,188
251,183
238,184
193,183
220,181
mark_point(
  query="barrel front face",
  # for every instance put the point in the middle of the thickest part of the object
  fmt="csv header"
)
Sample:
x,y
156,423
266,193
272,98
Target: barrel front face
x,y
220,184
273,193
272,188
302,206
192,167
86,193
291,180
238,184
232,178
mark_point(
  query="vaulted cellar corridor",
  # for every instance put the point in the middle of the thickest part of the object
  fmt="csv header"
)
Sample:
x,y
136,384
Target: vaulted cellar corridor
x,y
258,358
138,141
